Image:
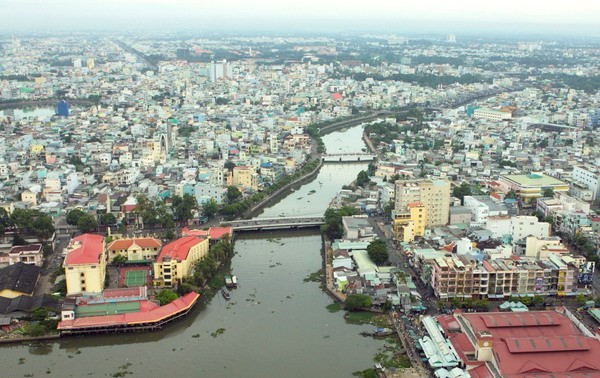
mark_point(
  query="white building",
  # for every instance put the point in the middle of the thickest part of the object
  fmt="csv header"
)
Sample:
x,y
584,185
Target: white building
x,y
589,178
524,226
482,207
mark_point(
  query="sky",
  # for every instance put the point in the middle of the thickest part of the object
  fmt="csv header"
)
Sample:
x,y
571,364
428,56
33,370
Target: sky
x,y
571,17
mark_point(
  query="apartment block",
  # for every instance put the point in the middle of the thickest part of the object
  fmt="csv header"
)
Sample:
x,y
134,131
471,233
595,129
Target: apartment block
x,y
410,223
433,194
176,260
85,264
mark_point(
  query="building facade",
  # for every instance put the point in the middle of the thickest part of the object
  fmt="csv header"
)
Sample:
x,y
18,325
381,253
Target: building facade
x,y
433,194
85,264
176,260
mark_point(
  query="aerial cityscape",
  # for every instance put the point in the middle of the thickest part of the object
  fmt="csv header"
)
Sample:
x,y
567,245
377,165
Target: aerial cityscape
x,y
230,193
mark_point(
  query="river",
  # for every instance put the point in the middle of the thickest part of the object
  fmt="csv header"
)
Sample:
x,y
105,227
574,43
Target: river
x,y
276,325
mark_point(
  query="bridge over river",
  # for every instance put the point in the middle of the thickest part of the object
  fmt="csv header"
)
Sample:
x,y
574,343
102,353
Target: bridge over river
x,y
281,223
348,157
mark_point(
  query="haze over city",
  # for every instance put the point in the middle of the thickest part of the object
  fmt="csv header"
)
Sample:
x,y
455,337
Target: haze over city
x,y
577,17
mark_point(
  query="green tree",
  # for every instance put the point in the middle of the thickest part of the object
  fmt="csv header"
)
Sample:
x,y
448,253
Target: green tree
x,y
73,216
580,299
377,251
333,228
166,296
119,260
461,191
229,165
87,223
233,194
388,208
5,221
357,302
511,195
210,208
362,179
537,300
109,219
548,192
184,207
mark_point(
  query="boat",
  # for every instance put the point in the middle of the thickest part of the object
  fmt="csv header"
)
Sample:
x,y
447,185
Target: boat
x,y
228,281
379,332
225,293
234,280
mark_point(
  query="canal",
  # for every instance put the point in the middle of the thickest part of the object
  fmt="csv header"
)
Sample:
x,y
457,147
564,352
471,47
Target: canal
x,y
275,325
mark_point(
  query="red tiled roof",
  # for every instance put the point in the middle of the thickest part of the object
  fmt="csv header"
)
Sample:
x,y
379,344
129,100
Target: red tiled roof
x,y
538,342
141,242
149,313
336,96
219,232
88,252
200,233
178,249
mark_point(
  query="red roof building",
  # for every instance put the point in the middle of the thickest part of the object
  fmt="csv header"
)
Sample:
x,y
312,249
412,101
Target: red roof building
x,y
134,249
177,259
85,249
522,344
216,233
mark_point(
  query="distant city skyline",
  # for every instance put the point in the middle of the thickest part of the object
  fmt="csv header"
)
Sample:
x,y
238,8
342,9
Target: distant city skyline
x,y
577,17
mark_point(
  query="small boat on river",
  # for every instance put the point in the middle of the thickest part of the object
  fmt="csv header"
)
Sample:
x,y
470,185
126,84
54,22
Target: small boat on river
x,y
234,280
230,281
379,332
225,293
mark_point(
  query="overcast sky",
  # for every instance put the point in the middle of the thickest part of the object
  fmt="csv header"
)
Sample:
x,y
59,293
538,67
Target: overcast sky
x,y
575,16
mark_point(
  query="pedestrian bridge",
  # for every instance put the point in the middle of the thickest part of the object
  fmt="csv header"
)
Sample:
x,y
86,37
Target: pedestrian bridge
x,y
348,157
282,223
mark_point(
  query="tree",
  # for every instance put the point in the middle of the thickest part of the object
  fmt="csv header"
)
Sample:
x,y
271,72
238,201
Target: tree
x,y
184,207
377,251
210,208
333,221
5,221
73,216
388,208
362,179
461,191
357,301
87,223
511,195
229,165
119,260
537,300
548,192
233,194
166,296
581,299
109,219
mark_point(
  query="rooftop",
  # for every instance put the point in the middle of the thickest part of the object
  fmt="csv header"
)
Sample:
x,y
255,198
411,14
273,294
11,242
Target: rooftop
x,y
178,249
535,179
87,249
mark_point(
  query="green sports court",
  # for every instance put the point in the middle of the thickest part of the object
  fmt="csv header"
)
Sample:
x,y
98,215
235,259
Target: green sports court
x,y
111,308
136,278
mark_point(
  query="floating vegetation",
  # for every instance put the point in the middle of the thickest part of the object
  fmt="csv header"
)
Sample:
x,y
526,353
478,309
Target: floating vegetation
x,y
218,332
326,336
21,361
195,336
315,277
312,192
333,307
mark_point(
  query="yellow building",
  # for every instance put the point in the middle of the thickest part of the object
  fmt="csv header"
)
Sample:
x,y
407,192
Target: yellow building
x,y
176,260
245,177
134,249
36,148
531,186
433,194
410,223
85,264
29,196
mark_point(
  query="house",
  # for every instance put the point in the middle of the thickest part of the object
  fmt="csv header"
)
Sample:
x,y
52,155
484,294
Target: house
x,y
85,264
176,260
28,254
18,279
134,249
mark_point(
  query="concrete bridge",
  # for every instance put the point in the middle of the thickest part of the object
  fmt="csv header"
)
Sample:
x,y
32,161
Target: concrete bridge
x,y
282,223
348,157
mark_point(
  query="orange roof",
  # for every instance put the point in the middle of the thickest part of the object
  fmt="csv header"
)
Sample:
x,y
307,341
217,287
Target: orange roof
x,y
148,313
89,248
200,233
178,249
141,242
415,204
219,232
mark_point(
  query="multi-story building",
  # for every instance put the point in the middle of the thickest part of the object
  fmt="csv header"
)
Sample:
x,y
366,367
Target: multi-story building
x,y
85,264
463,277
245,177
524,226
176,260
531,186
494,115
410,223
433,194
482,207
588,177
28,254
134,249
